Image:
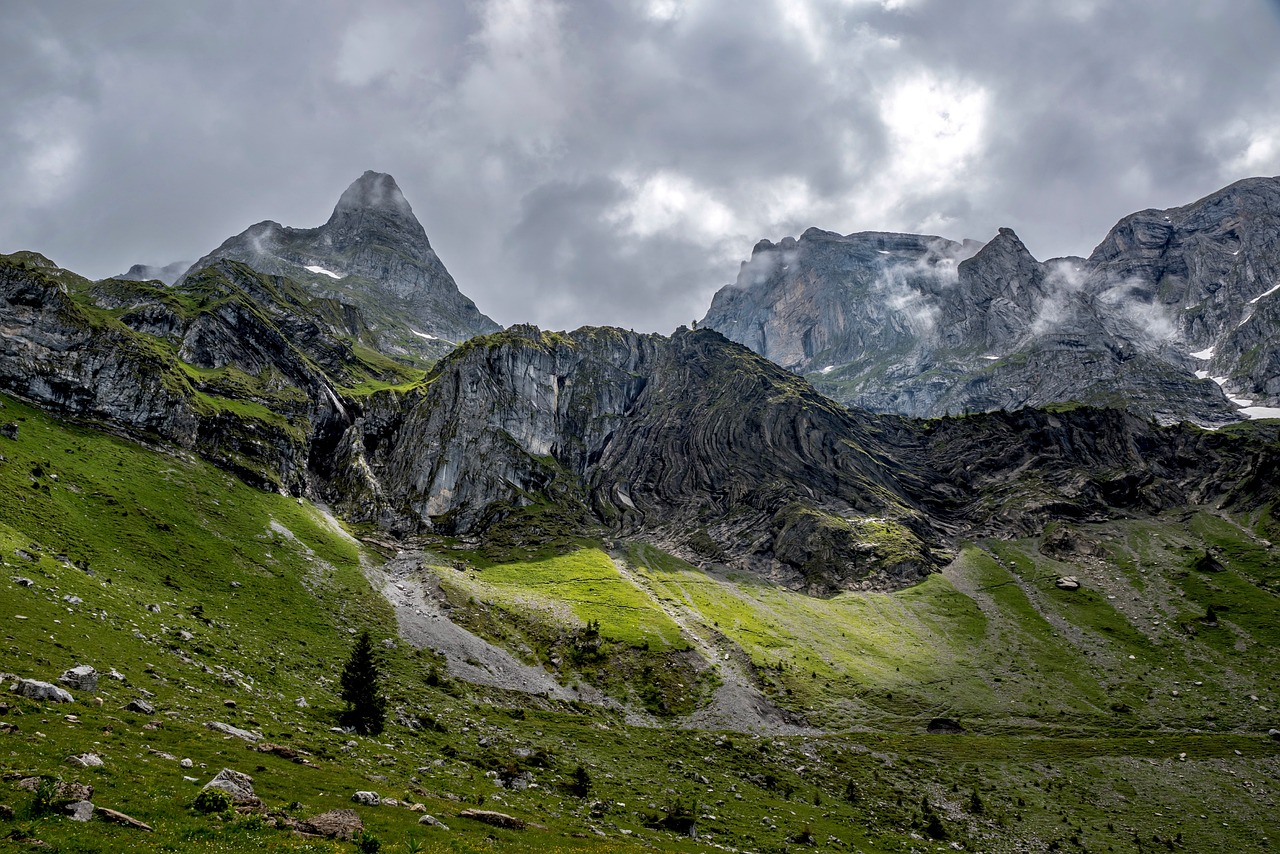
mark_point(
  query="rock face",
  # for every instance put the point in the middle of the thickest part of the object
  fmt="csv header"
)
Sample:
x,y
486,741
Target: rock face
x,y
695,444
372,254
656,438
923,326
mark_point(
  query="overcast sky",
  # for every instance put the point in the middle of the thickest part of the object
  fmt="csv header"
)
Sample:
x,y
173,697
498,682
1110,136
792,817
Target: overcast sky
x,y
612,162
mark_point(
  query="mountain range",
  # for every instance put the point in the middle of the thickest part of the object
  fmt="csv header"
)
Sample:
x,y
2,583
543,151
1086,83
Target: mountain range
x,y
892,489
1173,315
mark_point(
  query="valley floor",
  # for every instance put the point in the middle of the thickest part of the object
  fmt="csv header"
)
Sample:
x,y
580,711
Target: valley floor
x,y
1129,714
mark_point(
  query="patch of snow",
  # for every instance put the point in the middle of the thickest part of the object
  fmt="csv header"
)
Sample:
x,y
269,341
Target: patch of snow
x,y
883,251
828,369
1202,375
1266,293
1205,354
1242,402
991,358
1219,380
1261,411
424,335
322,271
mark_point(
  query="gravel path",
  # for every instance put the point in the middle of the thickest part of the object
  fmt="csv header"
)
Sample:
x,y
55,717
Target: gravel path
x,y
424,622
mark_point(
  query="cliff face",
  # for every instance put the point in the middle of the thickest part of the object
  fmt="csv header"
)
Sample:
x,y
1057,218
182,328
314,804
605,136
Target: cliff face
x,y
372,254
57,350
525,438
698,446
923,326
690,442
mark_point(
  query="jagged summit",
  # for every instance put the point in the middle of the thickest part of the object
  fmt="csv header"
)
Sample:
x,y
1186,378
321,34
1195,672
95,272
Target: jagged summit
x,y
924,326
376,192
374,254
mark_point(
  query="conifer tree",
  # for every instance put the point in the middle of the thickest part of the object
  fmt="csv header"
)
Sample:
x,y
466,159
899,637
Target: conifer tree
x,y
362,691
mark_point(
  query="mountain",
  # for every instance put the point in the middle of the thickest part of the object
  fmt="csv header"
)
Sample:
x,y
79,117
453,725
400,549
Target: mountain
x,y
374,255
597,565
690,443
168,274
925,326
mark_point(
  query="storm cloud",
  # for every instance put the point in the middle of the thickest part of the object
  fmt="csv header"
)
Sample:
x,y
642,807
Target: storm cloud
x,y
611,163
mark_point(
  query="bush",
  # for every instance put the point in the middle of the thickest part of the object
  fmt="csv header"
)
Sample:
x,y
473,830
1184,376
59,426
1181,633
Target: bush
x,y
212,801
366,710
367,843
46,797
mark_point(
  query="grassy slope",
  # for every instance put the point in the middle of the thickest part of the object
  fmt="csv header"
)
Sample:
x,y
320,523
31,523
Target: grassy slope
x,y
991,642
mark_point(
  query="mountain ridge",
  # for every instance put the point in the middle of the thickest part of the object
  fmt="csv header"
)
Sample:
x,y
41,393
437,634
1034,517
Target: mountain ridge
x,y
924,326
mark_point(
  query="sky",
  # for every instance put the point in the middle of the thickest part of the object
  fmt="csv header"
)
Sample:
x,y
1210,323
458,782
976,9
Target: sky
x,y
613,161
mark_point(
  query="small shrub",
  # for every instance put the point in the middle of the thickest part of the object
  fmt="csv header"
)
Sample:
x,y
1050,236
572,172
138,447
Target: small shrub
x,y
367,843
45,799
212,801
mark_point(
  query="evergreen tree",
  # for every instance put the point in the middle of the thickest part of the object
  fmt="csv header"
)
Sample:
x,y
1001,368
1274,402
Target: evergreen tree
x,y
361,689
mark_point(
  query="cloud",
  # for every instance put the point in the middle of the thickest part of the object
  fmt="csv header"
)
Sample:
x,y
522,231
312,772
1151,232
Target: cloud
x,y
613,162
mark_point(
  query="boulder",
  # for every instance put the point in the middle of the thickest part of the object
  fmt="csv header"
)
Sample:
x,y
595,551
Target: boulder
x,y
82,677
141,707
432,821
63,792
228,729
335,824
1068,582
85,760
23,582
496,819
1274,734
79,810
42,691
236,784
368,799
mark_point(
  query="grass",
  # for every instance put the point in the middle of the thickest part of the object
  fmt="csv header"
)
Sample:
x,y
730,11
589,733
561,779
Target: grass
x,y
269,590
574,589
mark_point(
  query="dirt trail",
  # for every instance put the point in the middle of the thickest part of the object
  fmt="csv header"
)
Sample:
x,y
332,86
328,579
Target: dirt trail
x,y
424,622
737,705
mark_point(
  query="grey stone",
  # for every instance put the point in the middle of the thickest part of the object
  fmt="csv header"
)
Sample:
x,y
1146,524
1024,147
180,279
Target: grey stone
x,y
432,821
82,677
1068,582
23,582
85,760
368,799
141,707
229,730
79,810
236,784
335,824
42,691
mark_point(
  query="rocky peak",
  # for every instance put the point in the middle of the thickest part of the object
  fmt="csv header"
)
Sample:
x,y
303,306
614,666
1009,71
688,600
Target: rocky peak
x,y
372,254
373,191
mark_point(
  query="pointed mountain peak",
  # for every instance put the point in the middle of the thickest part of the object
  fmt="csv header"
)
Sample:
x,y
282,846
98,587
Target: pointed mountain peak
x,y
374,191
